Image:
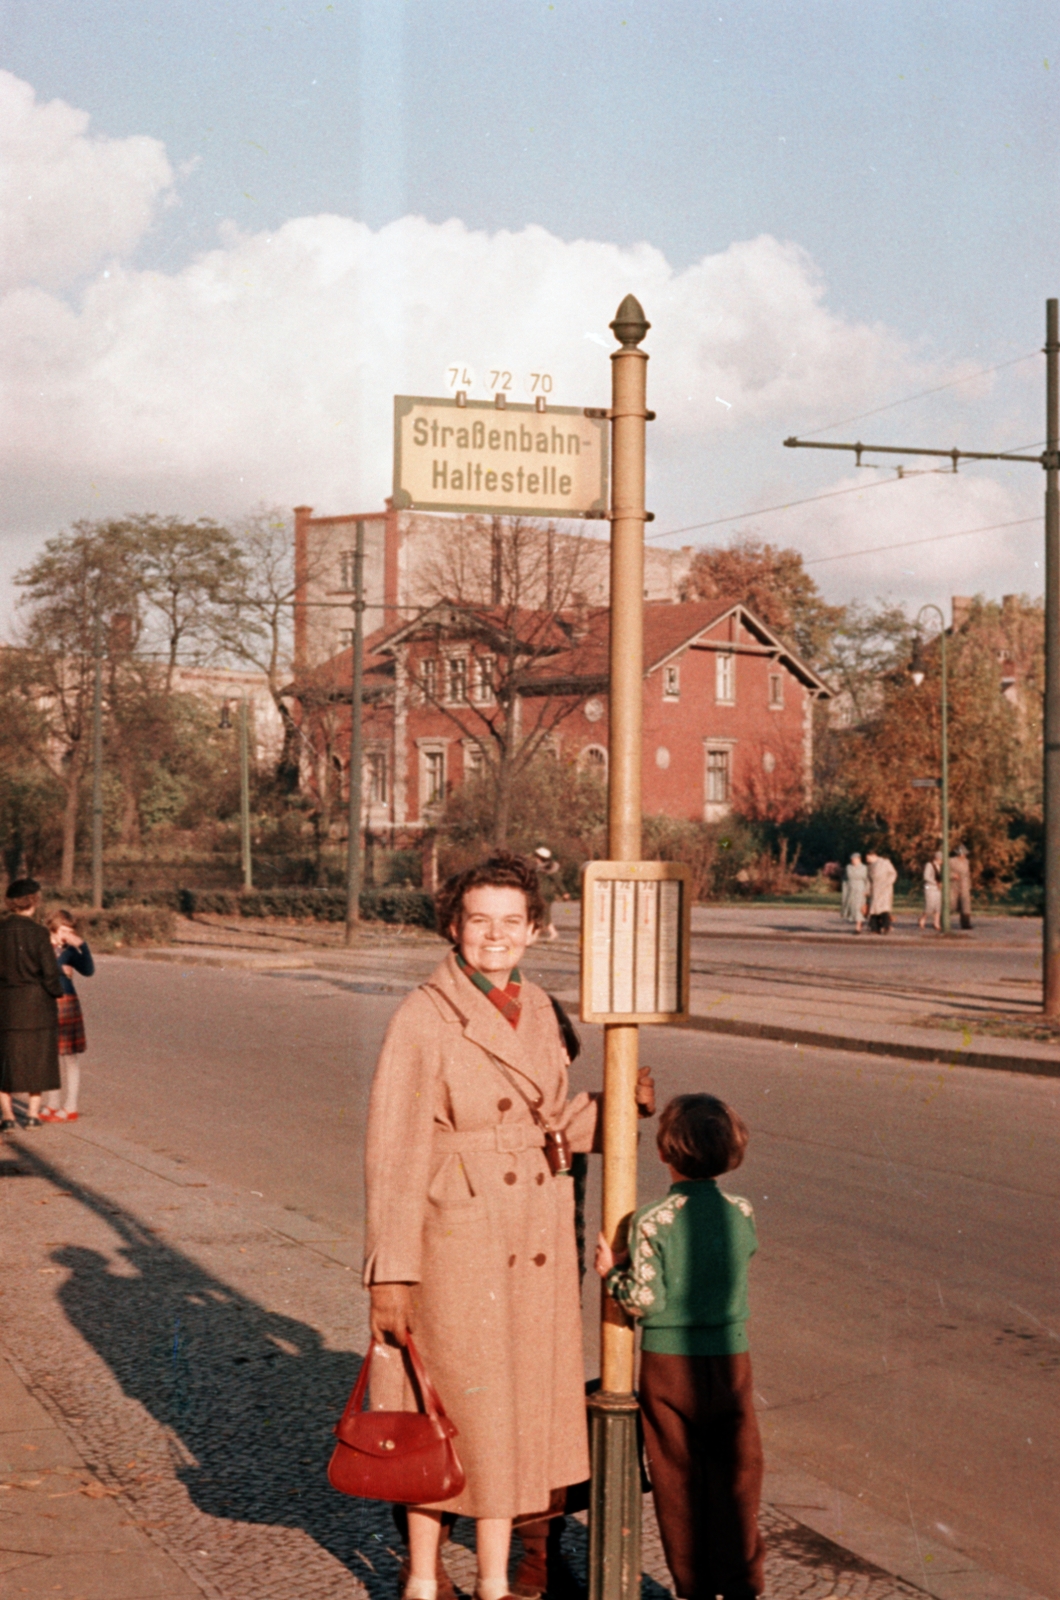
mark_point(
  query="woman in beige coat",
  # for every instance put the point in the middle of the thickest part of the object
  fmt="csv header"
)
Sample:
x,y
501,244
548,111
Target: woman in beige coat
x,y
470,1237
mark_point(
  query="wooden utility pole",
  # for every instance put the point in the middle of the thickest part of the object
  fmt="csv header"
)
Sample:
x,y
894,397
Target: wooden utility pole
x,y
244,795
353,848
1051,919
614,1521
1050,460
97,766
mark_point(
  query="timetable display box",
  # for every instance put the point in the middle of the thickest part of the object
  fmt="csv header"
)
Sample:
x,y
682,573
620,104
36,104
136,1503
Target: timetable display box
x,y
636,926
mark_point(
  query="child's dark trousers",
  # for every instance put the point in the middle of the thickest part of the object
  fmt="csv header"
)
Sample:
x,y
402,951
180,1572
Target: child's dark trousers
x,y
705,1457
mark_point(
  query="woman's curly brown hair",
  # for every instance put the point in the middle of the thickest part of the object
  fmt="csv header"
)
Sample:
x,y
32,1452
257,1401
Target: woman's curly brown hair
x,y
503,870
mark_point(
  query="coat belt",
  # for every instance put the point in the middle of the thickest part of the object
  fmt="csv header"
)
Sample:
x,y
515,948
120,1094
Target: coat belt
x,y
508,1136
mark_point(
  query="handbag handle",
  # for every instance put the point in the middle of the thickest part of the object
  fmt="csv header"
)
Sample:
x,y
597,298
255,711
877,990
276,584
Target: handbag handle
x,y
432,1403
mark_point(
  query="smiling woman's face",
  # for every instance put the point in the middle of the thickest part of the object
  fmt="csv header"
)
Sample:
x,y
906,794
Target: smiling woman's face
x,y
495,931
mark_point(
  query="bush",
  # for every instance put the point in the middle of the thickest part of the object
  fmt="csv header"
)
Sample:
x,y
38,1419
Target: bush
x,y
412,907
128,925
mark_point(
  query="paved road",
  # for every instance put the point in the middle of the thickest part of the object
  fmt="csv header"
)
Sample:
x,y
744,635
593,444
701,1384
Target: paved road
x,y
906,1311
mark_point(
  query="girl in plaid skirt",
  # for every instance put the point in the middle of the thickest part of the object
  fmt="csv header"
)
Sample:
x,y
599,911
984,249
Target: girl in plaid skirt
x,y
70,951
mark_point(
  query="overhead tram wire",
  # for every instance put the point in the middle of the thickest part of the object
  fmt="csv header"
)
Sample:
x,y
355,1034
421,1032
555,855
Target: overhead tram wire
x,y
789,505
907,544
983,372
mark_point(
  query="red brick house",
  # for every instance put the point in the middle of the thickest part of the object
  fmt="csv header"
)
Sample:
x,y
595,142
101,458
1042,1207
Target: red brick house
x,y
728,708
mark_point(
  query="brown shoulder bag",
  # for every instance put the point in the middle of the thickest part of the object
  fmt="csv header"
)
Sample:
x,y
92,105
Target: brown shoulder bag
x,y
406,1457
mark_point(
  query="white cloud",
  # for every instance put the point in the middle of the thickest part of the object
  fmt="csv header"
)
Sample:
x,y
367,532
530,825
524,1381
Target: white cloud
x,y
280,353
265,370
68,200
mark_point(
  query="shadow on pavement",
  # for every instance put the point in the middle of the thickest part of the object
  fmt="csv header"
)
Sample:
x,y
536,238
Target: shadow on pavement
x,y
250,1393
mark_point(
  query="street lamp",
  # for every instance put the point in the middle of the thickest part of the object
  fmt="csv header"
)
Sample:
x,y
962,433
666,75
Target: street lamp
x,y
916,672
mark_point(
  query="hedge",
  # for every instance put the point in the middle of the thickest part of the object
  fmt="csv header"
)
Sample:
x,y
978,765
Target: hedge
x,y
129,925
410,906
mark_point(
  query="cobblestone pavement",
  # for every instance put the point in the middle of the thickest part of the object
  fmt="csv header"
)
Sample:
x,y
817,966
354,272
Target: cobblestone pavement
x,y
196,1351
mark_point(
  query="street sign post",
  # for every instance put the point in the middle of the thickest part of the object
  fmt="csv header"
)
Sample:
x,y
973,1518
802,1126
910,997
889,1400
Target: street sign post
x,y
614,1505
508,460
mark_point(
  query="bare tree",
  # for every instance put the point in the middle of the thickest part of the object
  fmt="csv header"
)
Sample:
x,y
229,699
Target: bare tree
x,y
85,576
509,587
185,570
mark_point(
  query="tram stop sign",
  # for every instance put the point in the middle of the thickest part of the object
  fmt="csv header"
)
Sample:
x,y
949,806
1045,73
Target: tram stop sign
x,y
636,936
471,455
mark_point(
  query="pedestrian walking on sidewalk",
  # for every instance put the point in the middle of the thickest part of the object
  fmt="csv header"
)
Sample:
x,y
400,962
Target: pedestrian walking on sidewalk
x,y
547,877
684,1277
961,886
855,891
29,988
933,892
470,1240
71,951
882,876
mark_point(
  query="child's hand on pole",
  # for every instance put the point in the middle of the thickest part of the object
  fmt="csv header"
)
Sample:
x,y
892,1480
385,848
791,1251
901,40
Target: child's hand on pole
x,y
606,1258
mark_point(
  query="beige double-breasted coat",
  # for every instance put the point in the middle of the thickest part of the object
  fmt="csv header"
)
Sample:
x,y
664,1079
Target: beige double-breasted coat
x,y
461,1203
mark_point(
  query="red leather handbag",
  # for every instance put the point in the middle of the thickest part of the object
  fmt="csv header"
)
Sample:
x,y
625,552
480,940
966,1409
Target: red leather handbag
x,y
406,1457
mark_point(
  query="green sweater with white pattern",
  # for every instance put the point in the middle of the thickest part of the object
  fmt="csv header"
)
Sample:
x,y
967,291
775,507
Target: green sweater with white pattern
x,y
686,1278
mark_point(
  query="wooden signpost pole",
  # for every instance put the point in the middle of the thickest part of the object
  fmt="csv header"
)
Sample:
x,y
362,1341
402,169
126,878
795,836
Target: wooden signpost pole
x,y
614,1524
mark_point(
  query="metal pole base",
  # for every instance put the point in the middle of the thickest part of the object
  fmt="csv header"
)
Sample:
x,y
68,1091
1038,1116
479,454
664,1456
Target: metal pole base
x,y
614,1498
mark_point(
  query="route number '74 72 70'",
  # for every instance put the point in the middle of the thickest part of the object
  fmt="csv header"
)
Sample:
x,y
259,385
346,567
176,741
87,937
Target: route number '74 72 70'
x,y
496,380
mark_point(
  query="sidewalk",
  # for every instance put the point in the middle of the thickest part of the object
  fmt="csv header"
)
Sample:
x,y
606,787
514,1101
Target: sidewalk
x,y
176,1352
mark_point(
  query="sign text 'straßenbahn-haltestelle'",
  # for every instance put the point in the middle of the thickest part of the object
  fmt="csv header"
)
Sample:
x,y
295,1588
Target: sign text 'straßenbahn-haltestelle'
x,y
515,460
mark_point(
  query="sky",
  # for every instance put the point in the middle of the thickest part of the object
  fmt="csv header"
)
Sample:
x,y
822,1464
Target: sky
x,y
231,232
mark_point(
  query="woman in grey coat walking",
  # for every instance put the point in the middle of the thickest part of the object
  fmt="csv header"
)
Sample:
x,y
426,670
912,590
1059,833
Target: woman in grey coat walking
x,y
29,1020
855,891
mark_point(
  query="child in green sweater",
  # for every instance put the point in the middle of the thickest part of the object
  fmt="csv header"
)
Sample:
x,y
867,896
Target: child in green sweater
x,y
684,1277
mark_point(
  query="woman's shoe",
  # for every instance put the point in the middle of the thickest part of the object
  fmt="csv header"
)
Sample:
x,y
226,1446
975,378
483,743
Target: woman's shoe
x,y
8,1125
48,1115
34,1122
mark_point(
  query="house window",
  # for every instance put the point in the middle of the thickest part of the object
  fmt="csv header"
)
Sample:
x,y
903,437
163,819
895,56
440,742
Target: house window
x,y
672,683
474,760
719,777
432,777
594,759
345,638
456,689
346,569
776,691
725,677
429,677
483,681
375,777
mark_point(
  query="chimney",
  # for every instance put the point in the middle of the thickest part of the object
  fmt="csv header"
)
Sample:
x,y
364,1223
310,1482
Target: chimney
x,y
121,633
302,514
961,606
579,625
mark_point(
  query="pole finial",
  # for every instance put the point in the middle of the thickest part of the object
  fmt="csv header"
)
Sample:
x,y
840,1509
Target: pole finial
x,y
630,324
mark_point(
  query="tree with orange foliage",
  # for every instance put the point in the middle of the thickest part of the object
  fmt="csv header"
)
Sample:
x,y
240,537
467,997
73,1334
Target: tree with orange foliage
x,y
774,584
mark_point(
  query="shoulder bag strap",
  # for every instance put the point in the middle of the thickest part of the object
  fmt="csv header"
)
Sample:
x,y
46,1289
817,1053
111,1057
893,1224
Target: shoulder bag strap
x,y
429,1396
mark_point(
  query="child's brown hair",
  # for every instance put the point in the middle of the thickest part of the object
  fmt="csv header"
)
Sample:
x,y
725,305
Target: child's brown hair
x,y
701,1137
61,919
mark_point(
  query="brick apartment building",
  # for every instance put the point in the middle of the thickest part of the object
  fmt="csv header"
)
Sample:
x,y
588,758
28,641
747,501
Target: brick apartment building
x,y
414,558
728,708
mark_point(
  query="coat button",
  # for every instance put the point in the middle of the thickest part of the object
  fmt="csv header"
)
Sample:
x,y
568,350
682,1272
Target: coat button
x,y
539,1261
541,1177
510,1177
511,1261
504,1105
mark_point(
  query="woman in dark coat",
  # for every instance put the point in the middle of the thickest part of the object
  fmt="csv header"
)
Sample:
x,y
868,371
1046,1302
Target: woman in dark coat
x,y
29,1018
